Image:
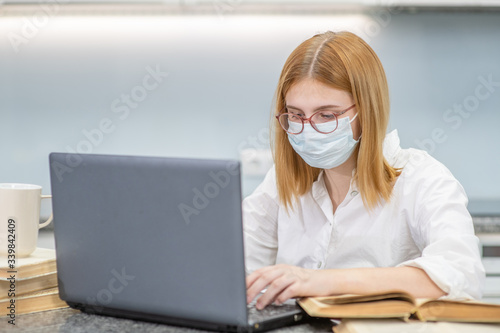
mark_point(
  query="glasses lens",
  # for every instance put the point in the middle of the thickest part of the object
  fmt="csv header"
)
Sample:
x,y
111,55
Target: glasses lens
x,y
324,122
291,123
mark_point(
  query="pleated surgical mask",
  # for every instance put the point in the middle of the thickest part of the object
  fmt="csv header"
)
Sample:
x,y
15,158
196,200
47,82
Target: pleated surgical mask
x,y
324,151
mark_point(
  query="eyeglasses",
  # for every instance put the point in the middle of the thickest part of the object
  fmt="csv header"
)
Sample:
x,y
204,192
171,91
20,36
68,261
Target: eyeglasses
x,y
324,122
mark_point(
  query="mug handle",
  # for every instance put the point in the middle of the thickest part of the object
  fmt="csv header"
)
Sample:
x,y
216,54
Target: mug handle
x,y
46,223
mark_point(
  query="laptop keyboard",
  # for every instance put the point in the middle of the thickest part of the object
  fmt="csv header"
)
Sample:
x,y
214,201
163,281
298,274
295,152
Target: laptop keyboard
x,y
270,311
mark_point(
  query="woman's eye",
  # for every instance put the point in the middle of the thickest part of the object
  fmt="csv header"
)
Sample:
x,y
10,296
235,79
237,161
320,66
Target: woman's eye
x,y
296,115
327,116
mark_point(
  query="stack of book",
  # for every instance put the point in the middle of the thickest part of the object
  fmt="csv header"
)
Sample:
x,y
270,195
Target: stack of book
x,y
29,284
398,311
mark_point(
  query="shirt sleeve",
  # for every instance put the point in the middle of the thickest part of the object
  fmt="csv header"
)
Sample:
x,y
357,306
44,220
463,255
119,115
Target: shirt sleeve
x,y
442,227
260,215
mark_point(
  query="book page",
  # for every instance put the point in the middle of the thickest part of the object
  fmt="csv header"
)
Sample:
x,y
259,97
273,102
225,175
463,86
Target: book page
x,y
385,326
459,311
349,298
41,261
38,256
467,327
399,326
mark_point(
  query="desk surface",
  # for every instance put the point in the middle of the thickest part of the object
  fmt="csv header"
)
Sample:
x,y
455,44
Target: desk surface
x,y
70,321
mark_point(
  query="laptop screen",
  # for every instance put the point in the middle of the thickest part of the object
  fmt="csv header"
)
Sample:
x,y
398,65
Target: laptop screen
x,y
151,235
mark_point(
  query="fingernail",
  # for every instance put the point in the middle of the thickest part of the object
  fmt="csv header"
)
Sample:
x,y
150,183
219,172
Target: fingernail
x,y
258,306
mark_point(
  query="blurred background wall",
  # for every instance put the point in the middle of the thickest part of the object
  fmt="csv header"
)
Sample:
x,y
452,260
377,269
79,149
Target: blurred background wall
x,y
201,85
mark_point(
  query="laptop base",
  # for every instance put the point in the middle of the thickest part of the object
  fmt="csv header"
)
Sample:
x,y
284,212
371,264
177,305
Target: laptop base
x,y
263,326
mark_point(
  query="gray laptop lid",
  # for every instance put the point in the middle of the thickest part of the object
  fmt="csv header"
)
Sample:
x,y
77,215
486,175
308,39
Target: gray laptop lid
x,y
161,236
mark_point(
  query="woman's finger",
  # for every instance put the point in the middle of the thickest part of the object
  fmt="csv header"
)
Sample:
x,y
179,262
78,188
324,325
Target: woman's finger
x,y
261,280
274,290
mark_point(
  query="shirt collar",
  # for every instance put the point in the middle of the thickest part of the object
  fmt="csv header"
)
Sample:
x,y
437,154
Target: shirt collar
x,y
391,147
318,187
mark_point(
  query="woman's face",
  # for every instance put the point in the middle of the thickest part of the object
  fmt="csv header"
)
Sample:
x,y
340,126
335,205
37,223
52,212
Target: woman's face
x,y
309,96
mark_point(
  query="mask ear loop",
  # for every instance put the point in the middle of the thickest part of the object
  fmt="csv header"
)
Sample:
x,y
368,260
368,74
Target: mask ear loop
x,y
350,121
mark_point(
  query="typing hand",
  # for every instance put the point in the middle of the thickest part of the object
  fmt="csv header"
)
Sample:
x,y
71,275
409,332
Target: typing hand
x,y
282,281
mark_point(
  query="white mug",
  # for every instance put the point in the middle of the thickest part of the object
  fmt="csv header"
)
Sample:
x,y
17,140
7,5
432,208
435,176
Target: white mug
x,y
20,219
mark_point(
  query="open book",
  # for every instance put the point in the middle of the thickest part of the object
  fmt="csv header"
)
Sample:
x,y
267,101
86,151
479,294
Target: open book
x,y
399,304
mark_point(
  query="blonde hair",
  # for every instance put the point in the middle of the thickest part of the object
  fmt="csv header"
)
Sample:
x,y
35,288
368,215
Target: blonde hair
x,y
342,61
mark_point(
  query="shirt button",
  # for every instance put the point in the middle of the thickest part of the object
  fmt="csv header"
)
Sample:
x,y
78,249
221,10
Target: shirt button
x,y
319,264
354,193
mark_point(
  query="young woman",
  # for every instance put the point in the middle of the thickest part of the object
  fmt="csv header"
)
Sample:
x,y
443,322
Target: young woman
x,y
345,209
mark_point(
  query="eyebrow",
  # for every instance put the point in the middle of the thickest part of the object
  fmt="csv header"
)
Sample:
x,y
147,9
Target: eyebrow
x,y
317,109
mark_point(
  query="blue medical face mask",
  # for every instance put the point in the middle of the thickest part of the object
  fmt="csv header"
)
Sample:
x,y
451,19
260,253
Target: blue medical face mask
x,y
324,151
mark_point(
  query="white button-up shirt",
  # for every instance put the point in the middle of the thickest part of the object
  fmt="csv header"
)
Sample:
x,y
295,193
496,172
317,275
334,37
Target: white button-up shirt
x,y
426,225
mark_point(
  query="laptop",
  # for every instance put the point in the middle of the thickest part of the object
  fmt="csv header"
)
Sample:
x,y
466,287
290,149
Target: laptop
x,y
155,239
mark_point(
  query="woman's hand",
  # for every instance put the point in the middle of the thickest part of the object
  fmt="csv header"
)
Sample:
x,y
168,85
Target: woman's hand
x,y
283,282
